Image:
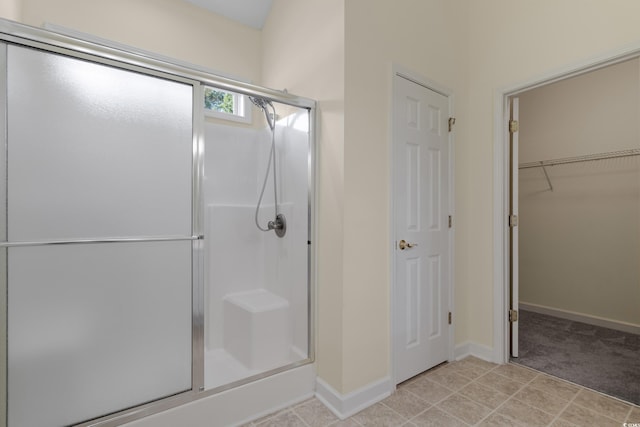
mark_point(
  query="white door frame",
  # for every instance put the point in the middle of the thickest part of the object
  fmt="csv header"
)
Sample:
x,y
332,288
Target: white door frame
x,y
501,252
399,70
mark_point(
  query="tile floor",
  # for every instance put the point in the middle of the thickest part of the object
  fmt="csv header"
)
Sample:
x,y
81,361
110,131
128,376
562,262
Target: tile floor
x,y
472,392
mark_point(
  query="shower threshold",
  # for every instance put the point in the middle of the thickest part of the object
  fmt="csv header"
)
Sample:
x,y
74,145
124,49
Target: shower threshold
x,y
222,368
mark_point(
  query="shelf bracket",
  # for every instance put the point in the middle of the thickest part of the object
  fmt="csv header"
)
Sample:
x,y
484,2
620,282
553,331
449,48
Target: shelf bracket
x,y
546,175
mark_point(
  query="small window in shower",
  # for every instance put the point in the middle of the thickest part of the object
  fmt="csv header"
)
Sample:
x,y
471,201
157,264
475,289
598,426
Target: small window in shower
x,y
226,105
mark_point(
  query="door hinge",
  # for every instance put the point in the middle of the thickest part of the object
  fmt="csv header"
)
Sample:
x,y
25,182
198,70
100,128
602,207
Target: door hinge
x,y
513,316
450,318
513,126
513,221
452,121
450,221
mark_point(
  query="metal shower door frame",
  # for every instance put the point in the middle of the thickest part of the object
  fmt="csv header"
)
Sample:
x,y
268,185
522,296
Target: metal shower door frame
x,y
126,58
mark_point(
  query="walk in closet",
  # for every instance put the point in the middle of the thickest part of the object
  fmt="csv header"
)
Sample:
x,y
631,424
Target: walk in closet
x,y
579,205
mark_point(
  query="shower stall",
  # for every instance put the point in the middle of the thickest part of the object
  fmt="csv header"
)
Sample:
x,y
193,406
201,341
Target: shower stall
x,y
256,320
153,262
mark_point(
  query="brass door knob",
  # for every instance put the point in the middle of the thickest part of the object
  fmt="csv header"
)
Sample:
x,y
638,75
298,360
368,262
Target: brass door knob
x,y
402,244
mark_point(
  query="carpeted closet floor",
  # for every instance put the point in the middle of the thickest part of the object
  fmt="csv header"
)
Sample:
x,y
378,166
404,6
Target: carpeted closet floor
x,y
602,359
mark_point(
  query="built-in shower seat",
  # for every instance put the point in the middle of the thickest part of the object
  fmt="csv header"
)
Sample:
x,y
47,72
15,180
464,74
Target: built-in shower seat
x,y
256,328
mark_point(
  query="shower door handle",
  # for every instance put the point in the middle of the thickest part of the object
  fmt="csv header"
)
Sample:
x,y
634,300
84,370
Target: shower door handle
x,y
403,244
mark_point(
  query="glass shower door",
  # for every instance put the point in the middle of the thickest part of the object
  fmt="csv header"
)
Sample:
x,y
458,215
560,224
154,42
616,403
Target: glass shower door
x,y
257,288
98,169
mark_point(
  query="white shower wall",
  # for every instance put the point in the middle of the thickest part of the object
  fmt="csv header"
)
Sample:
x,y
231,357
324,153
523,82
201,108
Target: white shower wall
x,y
241,258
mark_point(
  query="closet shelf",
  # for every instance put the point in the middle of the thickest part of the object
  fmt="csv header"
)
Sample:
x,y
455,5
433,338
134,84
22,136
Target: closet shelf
x,y
577,159
586,158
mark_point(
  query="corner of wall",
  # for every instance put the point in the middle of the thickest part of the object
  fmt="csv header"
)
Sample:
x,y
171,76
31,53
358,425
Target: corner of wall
x,y
346,405
312,65
11,9
470,348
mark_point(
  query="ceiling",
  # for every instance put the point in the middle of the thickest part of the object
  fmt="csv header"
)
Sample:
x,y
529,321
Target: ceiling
x,y
252,13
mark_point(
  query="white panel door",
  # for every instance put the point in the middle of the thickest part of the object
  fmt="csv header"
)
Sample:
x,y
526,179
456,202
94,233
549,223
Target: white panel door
x,y
421,170
513,116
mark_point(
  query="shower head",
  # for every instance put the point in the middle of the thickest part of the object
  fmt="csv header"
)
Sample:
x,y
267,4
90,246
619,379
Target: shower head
x,y
262,104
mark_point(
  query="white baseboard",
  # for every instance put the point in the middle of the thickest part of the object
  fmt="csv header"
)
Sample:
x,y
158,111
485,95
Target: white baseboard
x,y
470,348
580,317
344,406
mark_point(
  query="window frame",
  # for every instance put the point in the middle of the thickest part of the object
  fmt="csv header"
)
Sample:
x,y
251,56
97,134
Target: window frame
x,y
241,107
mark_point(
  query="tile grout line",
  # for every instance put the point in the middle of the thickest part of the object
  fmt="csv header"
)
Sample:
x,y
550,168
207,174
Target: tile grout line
x,y
512,396
447,397
354,420
474,380
598,412
565,408
338,421
324,425
433,405
421,412
529,384
471,380
628,419
396,412
580,388
302,419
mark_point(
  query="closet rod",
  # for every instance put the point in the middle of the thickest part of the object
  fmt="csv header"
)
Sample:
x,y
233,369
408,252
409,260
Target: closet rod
x,y
577,159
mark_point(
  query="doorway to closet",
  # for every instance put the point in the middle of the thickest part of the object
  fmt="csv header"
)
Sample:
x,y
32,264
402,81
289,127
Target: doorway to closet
x,y
576,239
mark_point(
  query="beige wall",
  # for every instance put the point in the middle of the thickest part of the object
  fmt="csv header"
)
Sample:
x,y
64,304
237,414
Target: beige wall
x,y
303,44
591,113
174,28
10,9
580,243
512,42
429,38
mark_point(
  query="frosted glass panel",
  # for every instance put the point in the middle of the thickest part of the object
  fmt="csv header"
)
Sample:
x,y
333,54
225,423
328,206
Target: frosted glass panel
x,y
96,328
95,151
